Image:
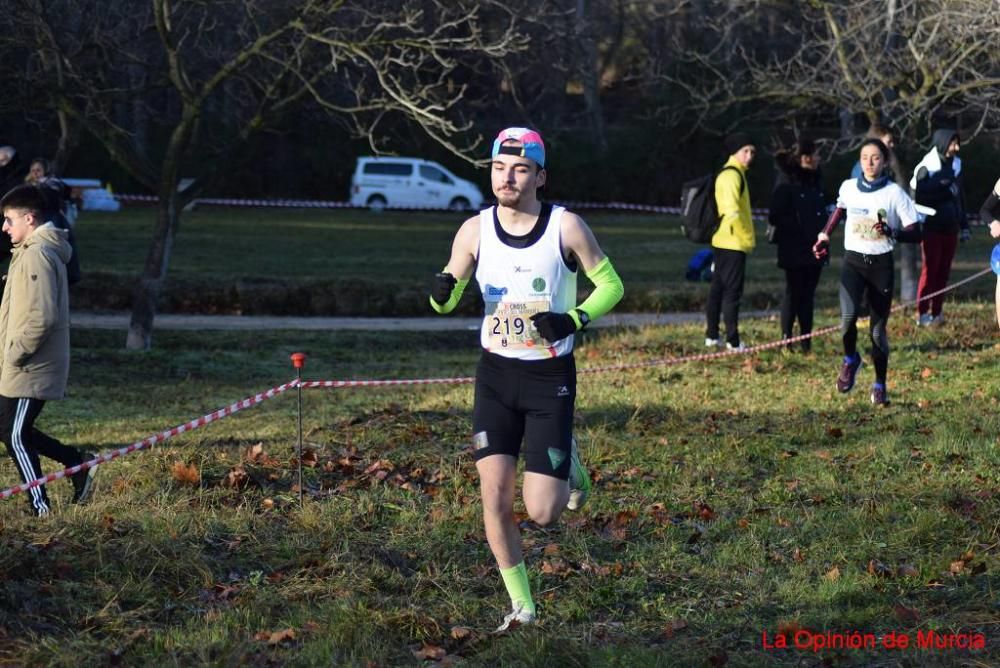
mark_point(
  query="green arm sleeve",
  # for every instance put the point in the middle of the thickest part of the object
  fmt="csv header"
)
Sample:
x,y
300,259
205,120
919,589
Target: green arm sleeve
x,y
456,295
608,291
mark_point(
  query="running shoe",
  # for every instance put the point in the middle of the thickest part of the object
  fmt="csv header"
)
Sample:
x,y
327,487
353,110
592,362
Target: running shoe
x,y
845,380
925,320
579,480
518,617
738,348
83,481
711,343
879,396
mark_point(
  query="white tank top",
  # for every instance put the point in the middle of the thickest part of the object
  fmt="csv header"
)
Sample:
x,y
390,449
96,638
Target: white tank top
x,y
517,283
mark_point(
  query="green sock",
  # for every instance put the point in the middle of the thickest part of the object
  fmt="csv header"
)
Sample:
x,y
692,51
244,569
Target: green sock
x,y
516,581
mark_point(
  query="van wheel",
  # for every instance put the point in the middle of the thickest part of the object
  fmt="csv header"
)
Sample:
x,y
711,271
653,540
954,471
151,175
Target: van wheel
x,y
459,204
376,203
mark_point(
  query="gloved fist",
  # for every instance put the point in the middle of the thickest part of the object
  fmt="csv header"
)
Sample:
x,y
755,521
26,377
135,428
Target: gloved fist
x,y
964,235
884,229
553,326
821,248
442,286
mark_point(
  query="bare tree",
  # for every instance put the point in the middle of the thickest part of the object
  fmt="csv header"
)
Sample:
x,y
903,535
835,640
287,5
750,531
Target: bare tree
x,y
179,86
902,61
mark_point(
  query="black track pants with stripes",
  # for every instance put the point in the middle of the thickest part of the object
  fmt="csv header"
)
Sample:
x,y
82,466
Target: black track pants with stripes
x,y
25,443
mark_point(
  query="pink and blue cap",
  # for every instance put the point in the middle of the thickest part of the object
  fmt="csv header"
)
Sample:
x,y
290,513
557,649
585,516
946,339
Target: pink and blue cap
x,y
531,146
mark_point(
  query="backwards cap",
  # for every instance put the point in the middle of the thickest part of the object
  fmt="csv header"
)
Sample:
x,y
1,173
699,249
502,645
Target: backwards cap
x,y
531,146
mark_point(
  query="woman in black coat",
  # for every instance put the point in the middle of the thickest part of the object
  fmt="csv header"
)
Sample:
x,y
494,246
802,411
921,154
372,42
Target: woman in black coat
x,y
798,213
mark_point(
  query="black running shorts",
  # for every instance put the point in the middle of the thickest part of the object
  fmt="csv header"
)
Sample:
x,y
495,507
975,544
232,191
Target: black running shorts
x,y
530,401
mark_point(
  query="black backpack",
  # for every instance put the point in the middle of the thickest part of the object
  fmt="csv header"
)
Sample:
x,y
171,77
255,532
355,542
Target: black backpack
x,y
699,216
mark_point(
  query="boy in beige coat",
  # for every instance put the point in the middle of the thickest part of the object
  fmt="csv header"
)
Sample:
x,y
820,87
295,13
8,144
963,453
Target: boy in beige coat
x,y
34,342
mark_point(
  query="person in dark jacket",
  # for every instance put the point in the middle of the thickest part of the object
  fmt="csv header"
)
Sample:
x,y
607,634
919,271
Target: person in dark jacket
x,y
798,213
936,183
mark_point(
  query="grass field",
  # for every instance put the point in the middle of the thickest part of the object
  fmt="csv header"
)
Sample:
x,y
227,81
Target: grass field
x,y
308,262
732,498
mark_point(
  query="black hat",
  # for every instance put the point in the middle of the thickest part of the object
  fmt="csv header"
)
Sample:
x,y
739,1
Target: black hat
x,y
736,141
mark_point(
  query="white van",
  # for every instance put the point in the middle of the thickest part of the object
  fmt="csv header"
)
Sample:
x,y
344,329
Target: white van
x,y
410,183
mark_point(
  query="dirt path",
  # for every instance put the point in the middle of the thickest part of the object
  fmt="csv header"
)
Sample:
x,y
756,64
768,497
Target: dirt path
x,y
120,321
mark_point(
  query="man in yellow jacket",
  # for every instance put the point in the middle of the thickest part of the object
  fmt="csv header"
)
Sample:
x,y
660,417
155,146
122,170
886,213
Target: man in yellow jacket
x,y
34,342
731,243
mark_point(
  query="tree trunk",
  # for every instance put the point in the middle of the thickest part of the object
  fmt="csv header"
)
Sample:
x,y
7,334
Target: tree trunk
x,y
147,290
589,70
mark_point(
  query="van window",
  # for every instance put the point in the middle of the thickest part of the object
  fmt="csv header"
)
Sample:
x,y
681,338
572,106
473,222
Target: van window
x,y
434,174
388,168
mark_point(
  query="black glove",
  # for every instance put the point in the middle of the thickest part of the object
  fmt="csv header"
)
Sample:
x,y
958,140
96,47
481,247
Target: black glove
x,y
554,326
442,286
882,227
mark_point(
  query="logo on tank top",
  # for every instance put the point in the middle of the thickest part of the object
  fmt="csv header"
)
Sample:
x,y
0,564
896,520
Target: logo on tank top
x,y
538,285
493,291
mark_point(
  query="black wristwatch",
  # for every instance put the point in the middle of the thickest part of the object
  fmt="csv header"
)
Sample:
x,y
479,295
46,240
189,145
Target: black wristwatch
x,y
583,316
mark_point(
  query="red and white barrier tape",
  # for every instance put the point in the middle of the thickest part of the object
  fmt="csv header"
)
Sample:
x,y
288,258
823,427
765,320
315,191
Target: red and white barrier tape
x,y
699,357
335,384
152,440
334,204
759,214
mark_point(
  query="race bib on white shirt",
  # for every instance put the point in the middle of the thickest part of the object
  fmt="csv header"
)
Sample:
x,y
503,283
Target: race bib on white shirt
x,y
860,232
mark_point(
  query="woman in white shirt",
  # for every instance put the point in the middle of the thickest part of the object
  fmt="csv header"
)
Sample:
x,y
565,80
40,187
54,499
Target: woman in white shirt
x,y
878,215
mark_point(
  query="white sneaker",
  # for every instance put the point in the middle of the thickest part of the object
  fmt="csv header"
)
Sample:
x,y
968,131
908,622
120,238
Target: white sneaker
x,y
924,320
518,617
579,480
740,348
711,343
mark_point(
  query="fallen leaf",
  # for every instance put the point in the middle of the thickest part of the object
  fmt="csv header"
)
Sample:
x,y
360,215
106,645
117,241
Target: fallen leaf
x,y
743,523
834,432
673,626
907,571
833,574
236,478
432,652
460,632
276,637
254,453
797,555
878,569
185,474
267,504
927,372
956,567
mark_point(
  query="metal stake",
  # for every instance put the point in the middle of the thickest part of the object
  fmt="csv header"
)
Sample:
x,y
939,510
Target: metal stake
x,y
299,361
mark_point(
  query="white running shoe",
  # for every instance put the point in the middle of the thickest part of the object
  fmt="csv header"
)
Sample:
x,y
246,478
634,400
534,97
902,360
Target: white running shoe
x,y
711,343
925,320
740,348
518,617
579,480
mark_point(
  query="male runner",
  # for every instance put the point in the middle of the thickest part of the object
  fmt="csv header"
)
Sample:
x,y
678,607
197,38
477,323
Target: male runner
x,y
526,256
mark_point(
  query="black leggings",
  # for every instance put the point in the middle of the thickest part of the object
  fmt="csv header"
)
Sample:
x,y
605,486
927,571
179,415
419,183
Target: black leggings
x,y
798,304
870,275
